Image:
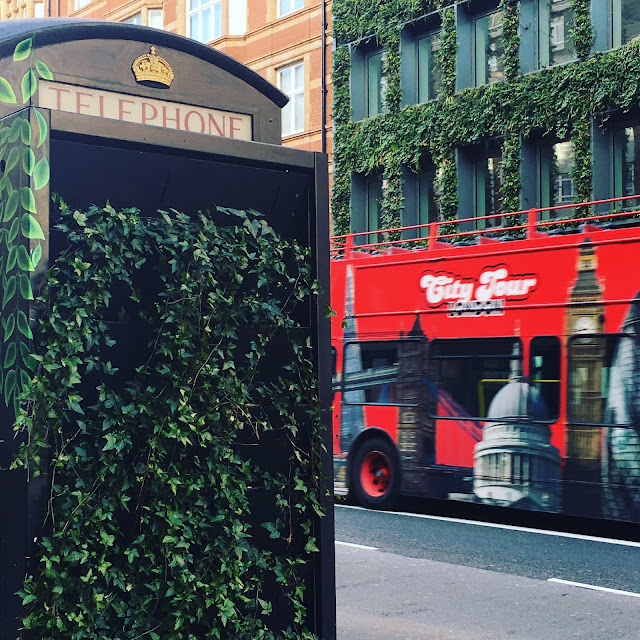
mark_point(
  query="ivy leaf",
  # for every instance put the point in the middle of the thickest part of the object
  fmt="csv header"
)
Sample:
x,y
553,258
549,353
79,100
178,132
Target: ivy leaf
x,y
28,160
24,259
13,232
7,93
25,287
28,85
9,326
10,356
14,132
12,259
25,131
42,127
23,49
27,199
10,384
11,206
9,290
12,159
41,173
43,70
36,255
23,325
31,229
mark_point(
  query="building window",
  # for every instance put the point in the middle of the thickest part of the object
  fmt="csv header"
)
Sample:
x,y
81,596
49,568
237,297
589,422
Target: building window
x,y
375,83
155,18
429,72
137,19
489,49
291,82
237,17
626,163
289,6
373,207
488,200
427,205
625,21
79,4
204,19
555,27
556,183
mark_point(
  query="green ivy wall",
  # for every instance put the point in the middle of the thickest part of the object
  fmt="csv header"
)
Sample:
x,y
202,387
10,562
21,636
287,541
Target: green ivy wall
x,y
562,101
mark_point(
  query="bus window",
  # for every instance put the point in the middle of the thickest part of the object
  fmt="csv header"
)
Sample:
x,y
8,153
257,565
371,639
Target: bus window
x,y
544,371
602,373
467,374
371,371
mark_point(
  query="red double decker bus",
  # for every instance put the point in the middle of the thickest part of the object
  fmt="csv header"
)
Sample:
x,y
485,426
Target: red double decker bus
x,y
497,365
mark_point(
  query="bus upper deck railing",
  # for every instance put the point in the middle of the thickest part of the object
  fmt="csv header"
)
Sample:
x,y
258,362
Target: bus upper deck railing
x,y
531,223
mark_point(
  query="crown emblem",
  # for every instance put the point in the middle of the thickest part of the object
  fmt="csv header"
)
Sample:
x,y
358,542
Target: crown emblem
x,y
150,67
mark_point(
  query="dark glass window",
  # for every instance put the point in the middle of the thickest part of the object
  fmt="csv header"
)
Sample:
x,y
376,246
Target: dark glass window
x,y
556,181
375,84
427,204
602,374
488,49
371,370
429,72
544,372
466,374
625,21
487,186
626,163
555,26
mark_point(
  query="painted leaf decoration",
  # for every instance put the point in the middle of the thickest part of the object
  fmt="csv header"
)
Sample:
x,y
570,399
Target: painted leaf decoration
x,y
43,70
4,237
12,159
9,290
42,126
25,132
7,93
16,127
27,199
30,362
23,325
23,49
4,134
36,255
41,173
10,356
25,379
31,228
28,161
10,384
13,232
9,326
25,287
11,206
28,85
24,259
12,259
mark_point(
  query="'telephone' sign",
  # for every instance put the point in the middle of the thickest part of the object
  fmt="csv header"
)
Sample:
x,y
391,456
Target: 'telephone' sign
x,y
156,113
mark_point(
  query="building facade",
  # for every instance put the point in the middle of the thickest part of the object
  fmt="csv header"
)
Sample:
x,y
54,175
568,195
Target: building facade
x,y
447,110
282,40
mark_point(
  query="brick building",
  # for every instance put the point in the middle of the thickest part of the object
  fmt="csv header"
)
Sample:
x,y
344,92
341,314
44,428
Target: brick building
x,y
282,40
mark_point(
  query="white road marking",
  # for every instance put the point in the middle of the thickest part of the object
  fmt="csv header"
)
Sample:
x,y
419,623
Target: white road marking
x,y
356,546
594,588
511,527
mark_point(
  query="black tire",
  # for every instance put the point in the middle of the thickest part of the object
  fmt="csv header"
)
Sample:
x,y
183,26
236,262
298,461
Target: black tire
x,y
375,474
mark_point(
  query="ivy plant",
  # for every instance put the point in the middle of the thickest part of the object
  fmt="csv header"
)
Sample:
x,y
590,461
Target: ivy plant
x,y
173,405
561,101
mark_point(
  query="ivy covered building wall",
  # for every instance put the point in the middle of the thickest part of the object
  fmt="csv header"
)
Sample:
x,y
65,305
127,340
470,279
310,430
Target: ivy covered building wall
x,y
446,110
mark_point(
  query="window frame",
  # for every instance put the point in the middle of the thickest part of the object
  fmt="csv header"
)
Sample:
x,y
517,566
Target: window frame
x,y
295,95
294,8
216,19
475,62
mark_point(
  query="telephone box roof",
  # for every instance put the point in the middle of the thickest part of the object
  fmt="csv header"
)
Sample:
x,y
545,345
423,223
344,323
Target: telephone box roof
x,y
56,30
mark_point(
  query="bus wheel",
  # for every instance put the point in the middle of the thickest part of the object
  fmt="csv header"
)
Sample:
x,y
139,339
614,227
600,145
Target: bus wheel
x,y
375,476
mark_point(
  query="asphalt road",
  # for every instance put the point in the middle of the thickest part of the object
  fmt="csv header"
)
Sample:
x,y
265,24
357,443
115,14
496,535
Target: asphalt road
x,y
402,576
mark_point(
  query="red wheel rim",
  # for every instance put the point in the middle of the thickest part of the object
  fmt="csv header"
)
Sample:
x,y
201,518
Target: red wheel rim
x,y
375,474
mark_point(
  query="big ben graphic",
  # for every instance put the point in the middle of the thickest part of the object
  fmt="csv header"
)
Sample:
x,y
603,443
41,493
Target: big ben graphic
x,y
586,355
